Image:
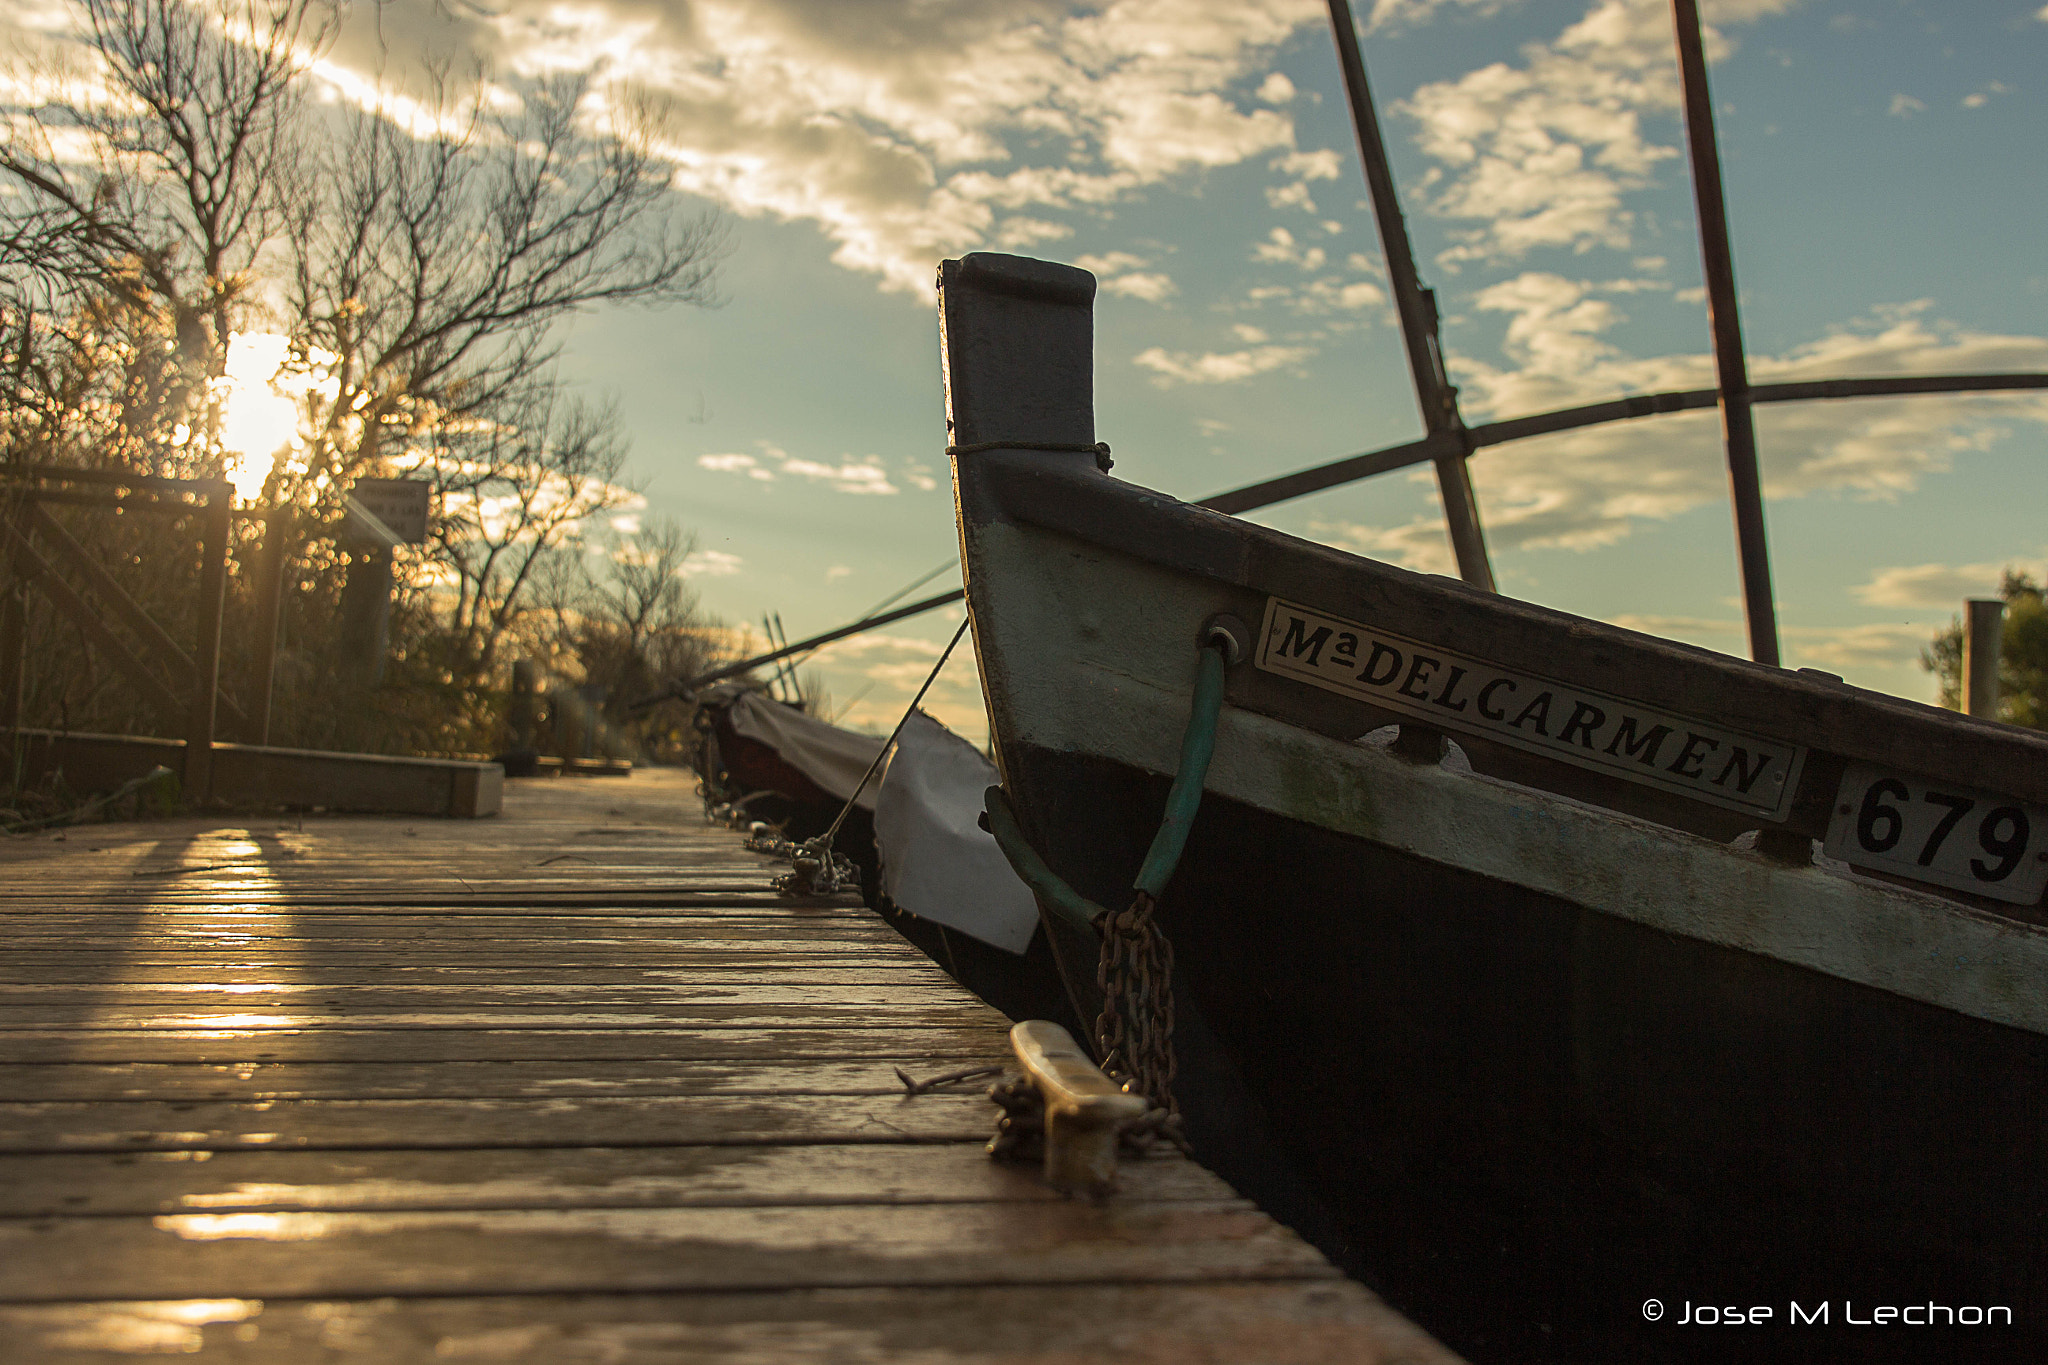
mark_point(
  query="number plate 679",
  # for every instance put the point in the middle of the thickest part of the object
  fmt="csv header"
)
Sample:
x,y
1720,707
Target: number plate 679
x,y
1934,831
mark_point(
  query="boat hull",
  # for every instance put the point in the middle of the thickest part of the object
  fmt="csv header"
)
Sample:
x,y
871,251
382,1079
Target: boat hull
x,y
1520,1118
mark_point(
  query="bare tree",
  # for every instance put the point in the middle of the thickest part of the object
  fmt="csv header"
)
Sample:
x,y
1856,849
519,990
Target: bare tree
x,y
513,489
431,270
147,190
177,186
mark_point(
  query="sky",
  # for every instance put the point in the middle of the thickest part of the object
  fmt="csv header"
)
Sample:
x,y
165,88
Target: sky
x,y
1885,186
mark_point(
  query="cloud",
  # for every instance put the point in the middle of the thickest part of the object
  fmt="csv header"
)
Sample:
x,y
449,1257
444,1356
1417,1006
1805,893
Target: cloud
x,y
1977,99
903,130
1109,263
879,672
736,463
1014,234
1280,248
1905,106
838,571
1935,585
907,131
1872,646
1389,14
1321,164
1671,626
1324,295
865,475
1420,545
1302,167
1541,154
1276,89
1121,272
711,564
1294,196
1183,367
1886,645
1152,287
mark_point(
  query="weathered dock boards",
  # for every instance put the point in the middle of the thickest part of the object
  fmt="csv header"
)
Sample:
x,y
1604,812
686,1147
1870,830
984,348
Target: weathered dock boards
x,y
565,1086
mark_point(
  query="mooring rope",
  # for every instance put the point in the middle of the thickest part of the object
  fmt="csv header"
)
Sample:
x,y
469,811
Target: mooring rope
x,y
1134,1032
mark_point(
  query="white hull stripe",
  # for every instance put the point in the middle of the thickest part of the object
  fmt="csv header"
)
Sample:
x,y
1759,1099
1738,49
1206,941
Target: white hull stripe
x,y
1892,938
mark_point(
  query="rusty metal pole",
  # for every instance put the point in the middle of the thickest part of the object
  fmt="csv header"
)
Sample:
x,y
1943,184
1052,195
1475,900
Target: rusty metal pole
x,y
1738,426
1983,625
270,564
216,525
1435,393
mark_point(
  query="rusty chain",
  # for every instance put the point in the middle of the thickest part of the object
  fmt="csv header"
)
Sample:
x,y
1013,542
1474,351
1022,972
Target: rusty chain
x,y
1134,1032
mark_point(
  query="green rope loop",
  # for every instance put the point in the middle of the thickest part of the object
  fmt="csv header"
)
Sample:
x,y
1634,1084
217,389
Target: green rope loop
x,y
1198,744
1030,868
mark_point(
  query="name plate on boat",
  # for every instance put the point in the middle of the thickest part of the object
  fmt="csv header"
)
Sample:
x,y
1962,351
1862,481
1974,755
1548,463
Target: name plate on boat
x,y
1563,721
1937,832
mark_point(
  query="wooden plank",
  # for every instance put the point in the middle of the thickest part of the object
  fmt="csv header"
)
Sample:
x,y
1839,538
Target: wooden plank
x,y
301,1254
1285,1323
312,1074
48,971
955,1039
652,930
152,1183
144,1125
296,1018
250,1081
26,1002
500,900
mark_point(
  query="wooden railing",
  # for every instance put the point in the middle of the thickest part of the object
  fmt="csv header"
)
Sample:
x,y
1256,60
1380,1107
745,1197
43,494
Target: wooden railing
x,y
181,687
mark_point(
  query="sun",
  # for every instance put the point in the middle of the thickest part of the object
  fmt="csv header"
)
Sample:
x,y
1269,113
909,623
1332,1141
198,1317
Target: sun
x,y
259,419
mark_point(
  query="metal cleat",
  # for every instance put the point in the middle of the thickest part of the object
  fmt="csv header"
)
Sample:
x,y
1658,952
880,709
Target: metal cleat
x,y
1084,1110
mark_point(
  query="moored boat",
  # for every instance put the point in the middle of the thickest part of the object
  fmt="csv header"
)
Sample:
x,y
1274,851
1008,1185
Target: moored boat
x,y
1537,968
766,761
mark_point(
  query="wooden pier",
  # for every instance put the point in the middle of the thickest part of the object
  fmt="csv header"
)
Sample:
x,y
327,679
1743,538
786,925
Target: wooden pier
x,y
569,1085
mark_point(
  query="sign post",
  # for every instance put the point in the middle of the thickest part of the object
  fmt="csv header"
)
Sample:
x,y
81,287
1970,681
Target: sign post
x,y
382,515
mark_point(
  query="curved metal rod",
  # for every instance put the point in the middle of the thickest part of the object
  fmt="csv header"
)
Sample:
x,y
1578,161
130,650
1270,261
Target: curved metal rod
x,y
1316,479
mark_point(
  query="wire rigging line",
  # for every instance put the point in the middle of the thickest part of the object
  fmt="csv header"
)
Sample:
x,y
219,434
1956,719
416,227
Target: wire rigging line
x,y
890,743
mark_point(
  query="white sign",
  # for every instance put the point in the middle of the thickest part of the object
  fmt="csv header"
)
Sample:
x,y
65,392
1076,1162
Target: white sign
x,y
1563,721
1940,833
401,504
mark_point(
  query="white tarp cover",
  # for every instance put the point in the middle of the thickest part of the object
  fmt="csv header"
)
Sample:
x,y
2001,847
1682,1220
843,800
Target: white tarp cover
x,y
833,758
936,861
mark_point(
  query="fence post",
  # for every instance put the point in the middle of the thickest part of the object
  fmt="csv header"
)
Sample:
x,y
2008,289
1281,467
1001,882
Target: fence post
x,y
13,656
270,564
216,525
522,718
1983,624
366,612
